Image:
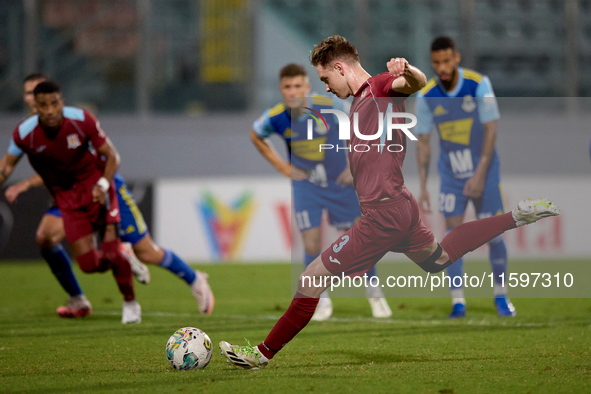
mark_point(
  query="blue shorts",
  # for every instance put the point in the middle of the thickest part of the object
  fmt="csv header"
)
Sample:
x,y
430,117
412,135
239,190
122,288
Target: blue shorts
x,y
453,203
133,227
340,202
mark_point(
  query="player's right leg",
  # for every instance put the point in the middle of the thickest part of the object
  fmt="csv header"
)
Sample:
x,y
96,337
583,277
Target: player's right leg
x,y
456,270
311,238
308,209
452,205
49,236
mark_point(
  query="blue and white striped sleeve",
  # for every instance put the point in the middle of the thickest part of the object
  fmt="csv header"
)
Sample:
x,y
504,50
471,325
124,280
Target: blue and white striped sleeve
x,y
262,126
424,116
488,110
13,149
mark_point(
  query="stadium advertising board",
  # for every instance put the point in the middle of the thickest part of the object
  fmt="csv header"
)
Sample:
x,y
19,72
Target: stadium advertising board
x,y
250,219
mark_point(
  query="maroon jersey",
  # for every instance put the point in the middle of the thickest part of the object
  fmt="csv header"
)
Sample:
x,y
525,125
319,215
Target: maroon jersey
x,y
377,172
63,159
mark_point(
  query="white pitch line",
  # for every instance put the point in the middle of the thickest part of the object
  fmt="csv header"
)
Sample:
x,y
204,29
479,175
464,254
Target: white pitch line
x,y
335,319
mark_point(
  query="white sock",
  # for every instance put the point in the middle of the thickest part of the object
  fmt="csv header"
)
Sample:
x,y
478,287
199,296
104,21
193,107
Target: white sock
x,y
499,290
263,358
457,296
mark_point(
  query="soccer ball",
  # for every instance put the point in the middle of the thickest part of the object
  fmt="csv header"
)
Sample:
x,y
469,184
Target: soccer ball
x,y
188,348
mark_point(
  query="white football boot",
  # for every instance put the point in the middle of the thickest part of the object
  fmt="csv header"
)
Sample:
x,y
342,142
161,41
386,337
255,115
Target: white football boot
x,y
529,211
202,293
379,305
380,308
323,309
141,273
247,357
132,312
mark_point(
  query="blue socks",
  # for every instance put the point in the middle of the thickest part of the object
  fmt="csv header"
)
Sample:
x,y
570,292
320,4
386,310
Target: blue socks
x,y
61,266
456,269
177,266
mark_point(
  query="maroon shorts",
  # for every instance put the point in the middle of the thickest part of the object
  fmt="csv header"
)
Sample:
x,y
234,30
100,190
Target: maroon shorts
x,y
87,217
385,226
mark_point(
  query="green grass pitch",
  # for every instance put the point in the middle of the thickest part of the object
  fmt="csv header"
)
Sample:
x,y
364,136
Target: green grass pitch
x,y
545,349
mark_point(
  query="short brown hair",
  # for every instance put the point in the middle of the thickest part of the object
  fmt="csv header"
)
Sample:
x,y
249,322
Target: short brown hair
x,y
292,70
333,47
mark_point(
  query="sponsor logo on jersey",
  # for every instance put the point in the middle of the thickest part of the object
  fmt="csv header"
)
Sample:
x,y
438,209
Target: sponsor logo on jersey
x,y
456,131
439,110
73,141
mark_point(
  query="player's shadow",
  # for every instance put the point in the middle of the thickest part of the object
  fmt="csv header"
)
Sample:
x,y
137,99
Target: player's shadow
x,y
397,330
359,358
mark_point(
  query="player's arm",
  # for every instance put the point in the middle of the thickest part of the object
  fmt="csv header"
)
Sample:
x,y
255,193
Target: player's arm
x,y
7,165
488,113
112,160
410,80
265,148
15,190
423,129
423,162
474,186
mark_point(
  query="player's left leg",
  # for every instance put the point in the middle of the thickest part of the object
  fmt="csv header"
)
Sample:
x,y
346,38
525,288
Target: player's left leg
x,y
491,204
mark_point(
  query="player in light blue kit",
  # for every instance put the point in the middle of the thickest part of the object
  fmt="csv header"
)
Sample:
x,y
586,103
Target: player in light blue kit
x,y
321,179
460,104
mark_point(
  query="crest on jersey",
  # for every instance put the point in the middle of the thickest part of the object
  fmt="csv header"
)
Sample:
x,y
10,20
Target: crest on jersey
x,y
468,105
73,141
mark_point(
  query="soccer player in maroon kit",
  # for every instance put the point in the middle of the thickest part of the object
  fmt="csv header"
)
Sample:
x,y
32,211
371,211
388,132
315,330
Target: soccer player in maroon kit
x,y
58,142
390,220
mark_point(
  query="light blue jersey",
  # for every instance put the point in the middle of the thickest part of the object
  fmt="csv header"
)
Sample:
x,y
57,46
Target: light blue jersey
x,y
320,191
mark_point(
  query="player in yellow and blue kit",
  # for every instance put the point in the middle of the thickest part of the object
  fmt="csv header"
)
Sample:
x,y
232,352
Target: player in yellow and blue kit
x,y
460,104
321,179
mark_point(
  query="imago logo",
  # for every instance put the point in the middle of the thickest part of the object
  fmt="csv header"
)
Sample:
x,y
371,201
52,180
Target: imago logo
x,y
345,131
